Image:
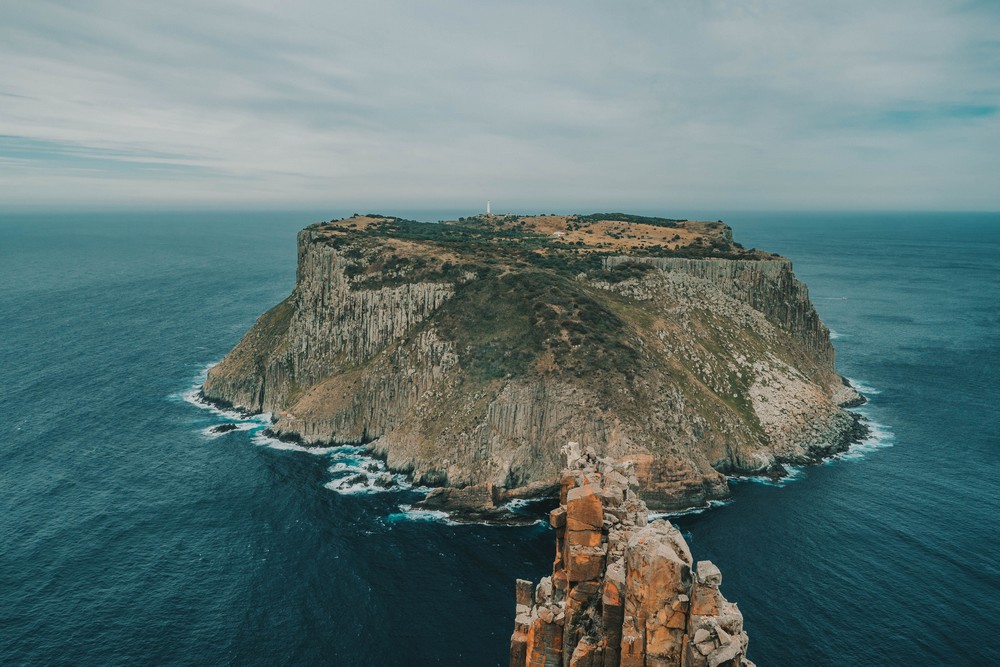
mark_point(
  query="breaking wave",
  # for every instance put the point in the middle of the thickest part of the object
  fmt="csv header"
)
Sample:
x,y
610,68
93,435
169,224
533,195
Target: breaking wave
x,y
352,470
409,513
880,436
653,516
355,472
864,388
793,473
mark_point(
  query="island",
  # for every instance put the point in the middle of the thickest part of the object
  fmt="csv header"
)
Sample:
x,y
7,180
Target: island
x,y
468,353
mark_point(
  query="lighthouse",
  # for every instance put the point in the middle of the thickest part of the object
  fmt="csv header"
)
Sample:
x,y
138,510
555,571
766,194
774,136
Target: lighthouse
x,y
487,207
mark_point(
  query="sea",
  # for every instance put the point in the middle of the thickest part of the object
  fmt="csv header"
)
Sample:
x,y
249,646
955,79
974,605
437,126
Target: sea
x,y
131,533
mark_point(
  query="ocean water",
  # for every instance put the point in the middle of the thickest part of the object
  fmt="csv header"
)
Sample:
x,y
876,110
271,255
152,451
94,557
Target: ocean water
x,y
132,534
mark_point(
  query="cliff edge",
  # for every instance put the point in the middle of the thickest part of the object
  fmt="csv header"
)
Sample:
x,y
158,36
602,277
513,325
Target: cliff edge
x,y
623,592
466,353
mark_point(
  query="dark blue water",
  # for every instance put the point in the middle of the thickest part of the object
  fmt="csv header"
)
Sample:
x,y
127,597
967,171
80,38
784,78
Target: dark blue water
x,y
131,536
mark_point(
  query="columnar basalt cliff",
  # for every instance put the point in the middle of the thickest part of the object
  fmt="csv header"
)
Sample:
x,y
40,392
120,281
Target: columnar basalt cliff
x,y
466,353
623,592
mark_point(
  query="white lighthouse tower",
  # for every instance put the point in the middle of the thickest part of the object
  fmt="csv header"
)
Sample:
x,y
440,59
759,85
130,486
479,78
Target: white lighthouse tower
x,y
487,207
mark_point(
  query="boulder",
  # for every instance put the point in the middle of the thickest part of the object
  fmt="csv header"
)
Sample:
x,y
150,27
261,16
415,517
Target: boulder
x,y
708,573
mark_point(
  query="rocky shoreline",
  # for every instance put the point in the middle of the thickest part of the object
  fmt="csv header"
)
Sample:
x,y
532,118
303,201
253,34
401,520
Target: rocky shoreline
x,y
487,503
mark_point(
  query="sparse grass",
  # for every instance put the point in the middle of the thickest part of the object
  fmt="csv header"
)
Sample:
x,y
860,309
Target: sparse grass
x,y
566,244
274,323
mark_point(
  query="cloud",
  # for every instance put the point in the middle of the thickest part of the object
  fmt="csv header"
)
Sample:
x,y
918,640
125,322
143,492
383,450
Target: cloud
x,y
713,104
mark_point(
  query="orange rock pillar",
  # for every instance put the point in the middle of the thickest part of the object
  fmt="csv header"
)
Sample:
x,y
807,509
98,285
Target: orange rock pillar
x,y
623,592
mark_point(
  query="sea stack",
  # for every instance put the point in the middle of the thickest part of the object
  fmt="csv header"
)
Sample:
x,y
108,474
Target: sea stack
x,y
623,592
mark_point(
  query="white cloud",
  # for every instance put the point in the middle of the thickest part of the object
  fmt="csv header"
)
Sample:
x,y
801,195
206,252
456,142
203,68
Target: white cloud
x,y
773,104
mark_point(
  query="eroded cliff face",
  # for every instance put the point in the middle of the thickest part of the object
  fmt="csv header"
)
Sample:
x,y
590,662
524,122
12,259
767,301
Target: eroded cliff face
x,y
468,370
768,286
623,592
325,328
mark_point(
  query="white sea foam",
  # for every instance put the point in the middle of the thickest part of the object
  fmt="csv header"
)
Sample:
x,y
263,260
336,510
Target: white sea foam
x,y
354,472
793,474
349,485
880,436
210,431
521,507
262,439
242,420
519,503
653,516
342,466
864,388
408,513
193,396
345,486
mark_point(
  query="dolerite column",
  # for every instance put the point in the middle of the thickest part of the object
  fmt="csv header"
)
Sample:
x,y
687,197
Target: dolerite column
x,y
715,626
522,623
658,579
622,591
613,614
545,634
585,552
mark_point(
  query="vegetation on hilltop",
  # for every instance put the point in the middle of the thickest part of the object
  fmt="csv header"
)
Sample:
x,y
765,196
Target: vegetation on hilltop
x,y
393,250
627,217
524,298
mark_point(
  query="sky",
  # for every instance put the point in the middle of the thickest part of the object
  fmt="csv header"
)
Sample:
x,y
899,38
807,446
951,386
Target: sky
x,y
569,106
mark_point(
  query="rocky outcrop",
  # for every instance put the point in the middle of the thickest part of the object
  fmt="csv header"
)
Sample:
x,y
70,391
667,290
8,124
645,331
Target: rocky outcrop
x,y
623,592
768,286
466,368
485,503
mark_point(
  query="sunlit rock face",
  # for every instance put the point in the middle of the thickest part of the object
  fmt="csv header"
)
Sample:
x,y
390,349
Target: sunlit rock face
x,y
623,592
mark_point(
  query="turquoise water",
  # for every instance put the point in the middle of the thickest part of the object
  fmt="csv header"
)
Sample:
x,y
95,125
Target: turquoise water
x,y
133,535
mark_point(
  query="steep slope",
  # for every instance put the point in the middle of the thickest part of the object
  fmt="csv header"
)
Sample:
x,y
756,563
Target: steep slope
x,y
469,352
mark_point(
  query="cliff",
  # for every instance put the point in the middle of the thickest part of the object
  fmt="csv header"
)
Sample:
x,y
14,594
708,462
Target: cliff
x,y
623,592
466,353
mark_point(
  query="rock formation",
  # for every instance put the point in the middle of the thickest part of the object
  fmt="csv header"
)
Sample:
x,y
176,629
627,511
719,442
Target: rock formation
x,y
466,353
623,592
